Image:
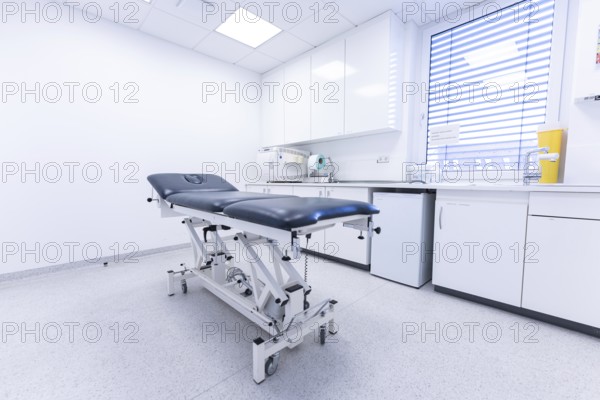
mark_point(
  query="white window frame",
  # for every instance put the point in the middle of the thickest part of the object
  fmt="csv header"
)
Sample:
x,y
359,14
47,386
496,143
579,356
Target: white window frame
x,y
559,34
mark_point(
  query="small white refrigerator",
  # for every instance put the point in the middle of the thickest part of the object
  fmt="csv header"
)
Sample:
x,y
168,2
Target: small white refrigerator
x,y
403,251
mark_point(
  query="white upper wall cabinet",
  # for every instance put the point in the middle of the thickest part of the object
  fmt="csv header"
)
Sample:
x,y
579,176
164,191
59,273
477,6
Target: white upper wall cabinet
x,y
327,90
272,109
349,86
296,95
373,76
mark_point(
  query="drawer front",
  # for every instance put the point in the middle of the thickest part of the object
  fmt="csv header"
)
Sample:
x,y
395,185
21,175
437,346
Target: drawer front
x,y
566,205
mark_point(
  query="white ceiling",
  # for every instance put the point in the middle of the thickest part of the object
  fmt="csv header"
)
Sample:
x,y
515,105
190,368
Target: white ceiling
x,y
192,24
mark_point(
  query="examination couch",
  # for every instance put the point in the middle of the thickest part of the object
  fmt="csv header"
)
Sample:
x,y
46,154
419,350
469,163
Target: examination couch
x,y
272,294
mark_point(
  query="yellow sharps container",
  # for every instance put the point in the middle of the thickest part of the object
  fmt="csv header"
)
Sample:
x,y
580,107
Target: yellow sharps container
x,y
553,140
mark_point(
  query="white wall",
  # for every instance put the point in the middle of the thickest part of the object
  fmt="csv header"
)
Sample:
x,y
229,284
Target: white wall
x,y
170,130
583,148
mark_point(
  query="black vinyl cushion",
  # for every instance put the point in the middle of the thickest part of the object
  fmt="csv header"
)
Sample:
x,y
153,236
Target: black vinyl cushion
x,y
294,212
216,201
169,184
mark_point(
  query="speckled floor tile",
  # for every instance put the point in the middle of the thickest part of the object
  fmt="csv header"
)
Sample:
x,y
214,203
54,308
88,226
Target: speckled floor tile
x,y
394,342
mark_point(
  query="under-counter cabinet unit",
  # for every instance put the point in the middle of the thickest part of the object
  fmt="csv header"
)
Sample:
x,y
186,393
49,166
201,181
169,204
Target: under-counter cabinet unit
x,y
339,242
317,241
344,241
403,249
478,242
562,269
271,189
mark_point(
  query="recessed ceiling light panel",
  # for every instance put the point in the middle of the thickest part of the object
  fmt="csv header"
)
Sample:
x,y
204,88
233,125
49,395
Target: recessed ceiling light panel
x,y
248,28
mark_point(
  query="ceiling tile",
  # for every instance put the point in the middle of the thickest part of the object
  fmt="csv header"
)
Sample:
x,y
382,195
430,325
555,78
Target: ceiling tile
x,y
360,11
258,62
223,48
330,24
286,14
202,13
284,47
173,29
130,13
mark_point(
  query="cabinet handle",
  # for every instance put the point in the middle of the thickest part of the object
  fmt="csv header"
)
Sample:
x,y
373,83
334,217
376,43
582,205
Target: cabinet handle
x,y
320,193
440,217
328,193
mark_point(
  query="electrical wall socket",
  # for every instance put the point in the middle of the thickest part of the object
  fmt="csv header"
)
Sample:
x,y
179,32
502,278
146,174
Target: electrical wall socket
x,y
383,159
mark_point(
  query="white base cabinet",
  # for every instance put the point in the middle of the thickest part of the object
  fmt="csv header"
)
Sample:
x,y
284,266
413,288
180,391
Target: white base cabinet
x,y
562,272
270,189
339,242
342,241
317,241
479,237
402,252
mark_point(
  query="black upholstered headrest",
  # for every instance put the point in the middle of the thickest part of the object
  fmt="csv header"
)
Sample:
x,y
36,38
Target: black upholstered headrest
x,y
168,184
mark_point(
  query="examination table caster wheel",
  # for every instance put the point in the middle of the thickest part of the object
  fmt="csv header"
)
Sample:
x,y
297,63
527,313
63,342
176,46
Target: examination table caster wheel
x,y
322,334
272,364
183,286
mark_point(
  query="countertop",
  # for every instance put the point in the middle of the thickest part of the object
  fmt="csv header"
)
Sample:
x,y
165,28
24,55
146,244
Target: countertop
x,y
504,186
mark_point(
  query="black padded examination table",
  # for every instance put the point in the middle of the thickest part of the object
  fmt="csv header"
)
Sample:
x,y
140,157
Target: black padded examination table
x,y
211,193
269,291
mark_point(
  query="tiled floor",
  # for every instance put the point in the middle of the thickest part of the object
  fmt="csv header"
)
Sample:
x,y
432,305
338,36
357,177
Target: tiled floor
x,y
394,342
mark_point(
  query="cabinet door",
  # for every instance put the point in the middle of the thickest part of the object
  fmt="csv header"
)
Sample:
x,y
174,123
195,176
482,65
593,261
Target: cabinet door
x,y
562,272
478,245
256,188
287,190
327,91
296,95
367,68
343,242
270,189
317,240
402,251
272,109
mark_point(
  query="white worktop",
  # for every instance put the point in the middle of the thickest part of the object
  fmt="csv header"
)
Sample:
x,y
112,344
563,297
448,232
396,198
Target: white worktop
x,y
507,187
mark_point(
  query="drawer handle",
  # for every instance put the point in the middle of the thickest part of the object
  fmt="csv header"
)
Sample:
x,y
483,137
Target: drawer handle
x,y
440,217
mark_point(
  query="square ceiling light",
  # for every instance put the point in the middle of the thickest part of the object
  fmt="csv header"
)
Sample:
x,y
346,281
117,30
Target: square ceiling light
x,y
248,28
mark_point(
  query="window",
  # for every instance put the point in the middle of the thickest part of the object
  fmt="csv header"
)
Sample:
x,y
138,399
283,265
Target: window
x,y
489,79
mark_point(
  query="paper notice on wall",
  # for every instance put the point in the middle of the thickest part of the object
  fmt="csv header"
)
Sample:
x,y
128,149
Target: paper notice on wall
x,y
444,135
598,49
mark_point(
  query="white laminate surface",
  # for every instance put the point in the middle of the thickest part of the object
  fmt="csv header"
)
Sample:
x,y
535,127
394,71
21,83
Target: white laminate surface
x,y
508,187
